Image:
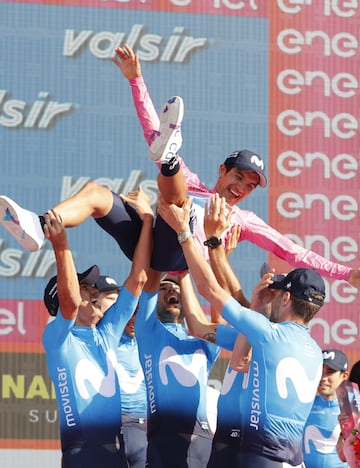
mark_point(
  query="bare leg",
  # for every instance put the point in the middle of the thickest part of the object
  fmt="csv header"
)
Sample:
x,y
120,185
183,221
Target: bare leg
x,y
173,188
92,200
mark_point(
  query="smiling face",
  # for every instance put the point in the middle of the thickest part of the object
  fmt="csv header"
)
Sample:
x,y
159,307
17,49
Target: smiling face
x,y
330,381
235,185
169,303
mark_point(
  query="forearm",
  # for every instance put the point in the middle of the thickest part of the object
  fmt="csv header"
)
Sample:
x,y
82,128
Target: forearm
x,y
68,289
241,355
225,275
193,312
203,275
146,112
141,259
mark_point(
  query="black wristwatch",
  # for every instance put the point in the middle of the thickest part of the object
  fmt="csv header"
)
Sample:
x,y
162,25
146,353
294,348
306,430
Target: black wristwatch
x,y
213,242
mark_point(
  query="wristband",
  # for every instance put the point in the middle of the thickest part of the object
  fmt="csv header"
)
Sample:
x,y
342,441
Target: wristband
x,y
183,236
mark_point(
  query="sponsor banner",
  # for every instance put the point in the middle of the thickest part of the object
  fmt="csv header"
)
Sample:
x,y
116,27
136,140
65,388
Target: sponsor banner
x,y
27,397
252,8
67,116
21,325
314,141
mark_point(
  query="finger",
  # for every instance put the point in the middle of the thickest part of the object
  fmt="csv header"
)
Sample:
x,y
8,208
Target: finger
x,y
129,50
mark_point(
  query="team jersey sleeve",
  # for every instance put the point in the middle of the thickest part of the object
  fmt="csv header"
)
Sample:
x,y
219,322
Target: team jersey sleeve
x,y
226,337
147,115
56,331
250,323
117,316
255,230
146,314
149,121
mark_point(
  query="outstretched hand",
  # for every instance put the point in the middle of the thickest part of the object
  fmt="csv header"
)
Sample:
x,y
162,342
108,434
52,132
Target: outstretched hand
x,y
176,217
128,62
140,201
262,295
217,217
54,230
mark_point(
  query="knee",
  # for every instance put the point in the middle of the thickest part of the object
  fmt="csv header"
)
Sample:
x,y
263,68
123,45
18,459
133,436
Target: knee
x,y
100,198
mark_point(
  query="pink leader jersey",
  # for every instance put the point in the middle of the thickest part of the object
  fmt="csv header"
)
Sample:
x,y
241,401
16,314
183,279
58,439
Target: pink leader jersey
x,y
253,229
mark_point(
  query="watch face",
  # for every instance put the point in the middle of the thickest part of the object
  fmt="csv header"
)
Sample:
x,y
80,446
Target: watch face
x,y
212,242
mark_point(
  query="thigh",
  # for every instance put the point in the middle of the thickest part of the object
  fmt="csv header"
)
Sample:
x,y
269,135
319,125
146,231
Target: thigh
x,y
123,224
167,252
135,441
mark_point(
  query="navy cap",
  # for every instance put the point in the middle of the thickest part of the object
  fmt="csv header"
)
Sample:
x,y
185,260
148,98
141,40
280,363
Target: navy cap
x,y
106,283
335,359
51,299
246,160
304,284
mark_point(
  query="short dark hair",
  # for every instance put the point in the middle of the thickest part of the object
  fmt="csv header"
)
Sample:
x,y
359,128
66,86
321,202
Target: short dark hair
x,y
304,309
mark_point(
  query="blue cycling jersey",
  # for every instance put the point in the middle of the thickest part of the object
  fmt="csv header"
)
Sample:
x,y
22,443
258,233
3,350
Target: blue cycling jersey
x,y
321,433
82,365
131,378
176,368
285,370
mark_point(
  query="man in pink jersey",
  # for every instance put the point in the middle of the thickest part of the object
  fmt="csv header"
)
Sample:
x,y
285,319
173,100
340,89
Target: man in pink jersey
x,y
238,176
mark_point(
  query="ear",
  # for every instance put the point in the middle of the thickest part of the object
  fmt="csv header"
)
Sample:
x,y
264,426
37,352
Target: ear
x,y
222,170
286,298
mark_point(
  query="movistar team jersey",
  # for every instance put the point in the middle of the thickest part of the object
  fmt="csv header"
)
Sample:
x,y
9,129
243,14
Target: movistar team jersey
x,y
321,433
285,371
131,378
176,368
229,411
82,365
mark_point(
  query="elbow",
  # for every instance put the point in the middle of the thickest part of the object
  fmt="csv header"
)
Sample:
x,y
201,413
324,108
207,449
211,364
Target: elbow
x,y
142,278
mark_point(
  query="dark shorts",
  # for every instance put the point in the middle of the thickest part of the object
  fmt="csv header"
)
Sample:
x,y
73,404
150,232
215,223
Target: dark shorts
x,y
178,451
124,225
228,456
96,456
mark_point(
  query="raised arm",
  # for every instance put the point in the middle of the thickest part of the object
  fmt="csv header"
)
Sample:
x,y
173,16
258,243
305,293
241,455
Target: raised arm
x,y
141,259
206,283
129,64
68,288
196,320
216,220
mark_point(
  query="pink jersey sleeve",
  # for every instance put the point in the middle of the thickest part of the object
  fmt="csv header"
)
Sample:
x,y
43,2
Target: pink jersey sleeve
x,y
253,228
149,121
145,109
261,234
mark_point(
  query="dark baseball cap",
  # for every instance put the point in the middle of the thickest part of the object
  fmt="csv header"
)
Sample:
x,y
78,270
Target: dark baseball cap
x,y
246,160
303,283
106,283
51,299
335,359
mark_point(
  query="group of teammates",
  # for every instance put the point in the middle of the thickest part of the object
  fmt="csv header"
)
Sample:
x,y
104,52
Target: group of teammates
x,y
283,363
